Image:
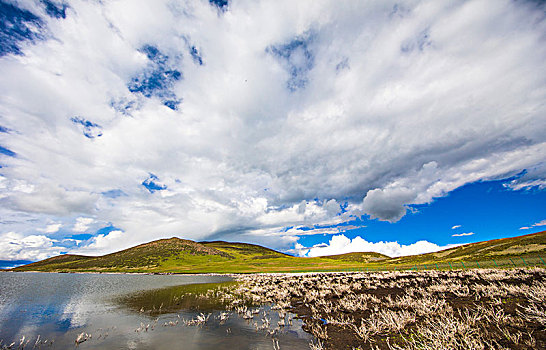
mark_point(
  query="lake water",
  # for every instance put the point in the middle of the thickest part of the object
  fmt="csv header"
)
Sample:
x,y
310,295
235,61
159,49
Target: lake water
x,y
116,309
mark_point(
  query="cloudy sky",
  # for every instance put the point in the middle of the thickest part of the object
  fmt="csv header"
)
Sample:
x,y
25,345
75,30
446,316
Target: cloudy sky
x,y
312,127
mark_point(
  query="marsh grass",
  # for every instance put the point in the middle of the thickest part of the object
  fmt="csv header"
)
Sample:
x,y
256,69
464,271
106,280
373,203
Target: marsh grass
x,y
473,309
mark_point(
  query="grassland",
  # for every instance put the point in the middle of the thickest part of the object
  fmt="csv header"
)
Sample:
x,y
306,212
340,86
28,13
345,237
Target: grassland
x,y
176,255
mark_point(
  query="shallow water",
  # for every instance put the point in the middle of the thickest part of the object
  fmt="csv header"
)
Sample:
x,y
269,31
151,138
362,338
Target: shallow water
x,y
115,310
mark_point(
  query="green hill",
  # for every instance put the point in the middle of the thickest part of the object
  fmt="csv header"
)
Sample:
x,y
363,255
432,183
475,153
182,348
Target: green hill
x,y
144,257
177,255
532,246
60,260
245,250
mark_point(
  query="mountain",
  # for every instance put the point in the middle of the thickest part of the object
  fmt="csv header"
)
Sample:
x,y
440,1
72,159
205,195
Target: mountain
x,y
177,255
147,256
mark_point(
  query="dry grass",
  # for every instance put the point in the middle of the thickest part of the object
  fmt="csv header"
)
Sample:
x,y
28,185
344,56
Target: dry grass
x,y
474,309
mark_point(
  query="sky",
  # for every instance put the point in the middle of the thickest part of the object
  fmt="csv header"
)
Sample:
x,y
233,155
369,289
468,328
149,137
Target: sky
x,y
310,127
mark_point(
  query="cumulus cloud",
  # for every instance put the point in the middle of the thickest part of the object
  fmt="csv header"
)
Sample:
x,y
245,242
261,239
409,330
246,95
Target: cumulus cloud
x,y
340,244
265,115
82,224
389,203
463,234
454,227
104,244
15,246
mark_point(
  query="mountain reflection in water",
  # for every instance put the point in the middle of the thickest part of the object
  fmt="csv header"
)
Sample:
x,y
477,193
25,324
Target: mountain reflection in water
x,y
116,311
191,297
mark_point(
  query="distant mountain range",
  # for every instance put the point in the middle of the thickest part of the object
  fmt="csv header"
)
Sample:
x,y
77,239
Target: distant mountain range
x,y
177,255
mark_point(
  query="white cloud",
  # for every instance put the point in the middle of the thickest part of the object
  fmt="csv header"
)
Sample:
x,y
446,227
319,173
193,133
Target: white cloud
x,y
536,224
398,105
463,234
52,200
15,246
82,224
341,244
454,227
303,230
71,240
540,223
104,244
534,176
52,228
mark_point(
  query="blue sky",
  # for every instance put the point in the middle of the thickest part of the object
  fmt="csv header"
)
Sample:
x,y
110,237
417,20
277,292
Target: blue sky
x,y
474,212
308,127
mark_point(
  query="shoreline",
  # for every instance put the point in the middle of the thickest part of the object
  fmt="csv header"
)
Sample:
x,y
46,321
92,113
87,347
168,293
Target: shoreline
x,y
125,273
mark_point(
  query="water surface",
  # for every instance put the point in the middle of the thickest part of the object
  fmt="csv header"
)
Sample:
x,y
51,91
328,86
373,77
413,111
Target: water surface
x,y
123,311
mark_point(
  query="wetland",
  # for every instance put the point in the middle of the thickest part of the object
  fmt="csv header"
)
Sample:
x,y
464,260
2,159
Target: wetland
x,y
460,309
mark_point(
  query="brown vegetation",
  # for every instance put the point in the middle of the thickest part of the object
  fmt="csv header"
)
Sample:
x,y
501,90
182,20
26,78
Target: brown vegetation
x,y
477,309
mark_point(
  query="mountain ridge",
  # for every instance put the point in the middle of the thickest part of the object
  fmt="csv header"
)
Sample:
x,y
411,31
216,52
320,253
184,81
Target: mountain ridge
x,y
176,255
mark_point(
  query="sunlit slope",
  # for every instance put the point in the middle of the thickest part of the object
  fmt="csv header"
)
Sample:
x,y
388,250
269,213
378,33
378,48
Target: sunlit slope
x,y
531,245
54,262
176,255
245,250
144,257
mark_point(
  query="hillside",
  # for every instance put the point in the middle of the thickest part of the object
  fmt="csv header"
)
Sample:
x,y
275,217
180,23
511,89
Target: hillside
x,y
245,250
177,255
61,260
147,256
359,257
531,245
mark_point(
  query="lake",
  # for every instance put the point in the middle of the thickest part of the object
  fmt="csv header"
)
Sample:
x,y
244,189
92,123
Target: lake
x,y
120,311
